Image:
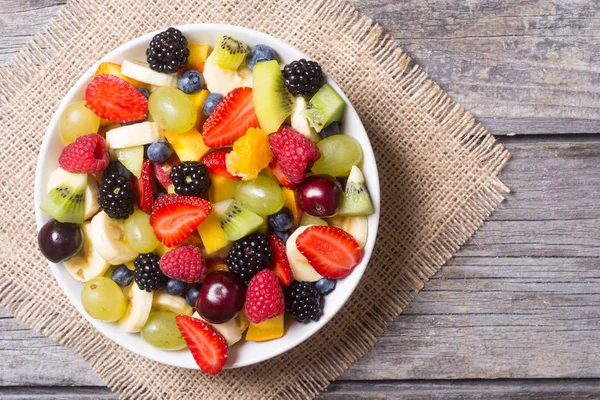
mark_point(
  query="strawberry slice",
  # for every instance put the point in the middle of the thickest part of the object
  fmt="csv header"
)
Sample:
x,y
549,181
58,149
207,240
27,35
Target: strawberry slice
x,y
114,99
143,188
162,171
215,162
331,251
207,346
230,119
276,169
175,217
281,264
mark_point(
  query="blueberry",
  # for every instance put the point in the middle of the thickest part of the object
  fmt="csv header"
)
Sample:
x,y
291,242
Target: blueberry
x,y
325,285
192,295
145,92
334,128
175,287
190,81
159,151
282,220
284,236
122,275
260,52
117,167
210,103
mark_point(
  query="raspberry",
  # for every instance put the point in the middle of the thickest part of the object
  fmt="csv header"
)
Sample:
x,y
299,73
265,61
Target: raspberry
x,y
86,155
264,297
184,263
294,152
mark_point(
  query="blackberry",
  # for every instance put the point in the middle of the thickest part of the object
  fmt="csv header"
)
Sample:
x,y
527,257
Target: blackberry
x,y
148,275
303,301
168,51
248,256
303,78
190,178
116,196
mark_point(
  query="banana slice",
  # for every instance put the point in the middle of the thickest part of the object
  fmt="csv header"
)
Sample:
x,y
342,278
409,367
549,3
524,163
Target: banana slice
x,y
301,269
108,237
223,81
230,330
86,264
90,205
143,73
166,302
358,227
299,121
138,309
134,135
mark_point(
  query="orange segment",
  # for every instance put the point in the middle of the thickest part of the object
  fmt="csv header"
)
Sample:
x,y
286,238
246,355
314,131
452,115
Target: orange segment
x,y
251,154
266,330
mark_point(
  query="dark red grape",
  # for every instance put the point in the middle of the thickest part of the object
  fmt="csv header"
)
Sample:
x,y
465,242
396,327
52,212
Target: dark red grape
x,y
320,195
59,241
221,298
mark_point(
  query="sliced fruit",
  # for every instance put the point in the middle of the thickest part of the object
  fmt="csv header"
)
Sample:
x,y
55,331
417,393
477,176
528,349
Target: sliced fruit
x,y
66,201
162,172
213,236
307,220
242,321
133,135
292,204
215,163
230,330
324,107
331,251
143,73
143,187
229,53
281,264
223,81
198,55
251,154
299,121
175,217
189,146
87,263
198,101
301,268
108,235
275,169
161,249
114,99
221,188
230,119
236,220
166,302
267,330
356,200
132,158
138,309
109,68
272,101
208,347
358,227
90,204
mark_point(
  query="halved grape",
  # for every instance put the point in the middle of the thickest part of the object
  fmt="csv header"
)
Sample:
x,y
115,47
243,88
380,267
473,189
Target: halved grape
x,y
139,233
161,331
172,110
103,299
338,154
261,195
77,120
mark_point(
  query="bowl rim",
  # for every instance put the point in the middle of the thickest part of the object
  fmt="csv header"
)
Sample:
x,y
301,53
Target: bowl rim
x,y
372,183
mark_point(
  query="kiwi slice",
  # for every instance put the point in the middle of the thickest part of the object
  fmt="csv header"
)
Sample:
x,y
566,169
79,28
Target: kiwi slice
x,y
325,107
66,202
272,101
236,220
356,200
229,53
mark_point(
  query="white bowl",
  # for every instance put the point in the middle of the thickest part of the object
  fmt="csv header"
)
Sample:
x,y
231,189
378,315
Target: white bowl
x,y
243,353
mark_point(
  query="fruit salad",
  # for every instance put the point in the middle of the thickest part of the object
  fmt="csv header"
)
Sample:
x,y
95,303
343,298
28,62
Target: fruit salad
x,y
203,195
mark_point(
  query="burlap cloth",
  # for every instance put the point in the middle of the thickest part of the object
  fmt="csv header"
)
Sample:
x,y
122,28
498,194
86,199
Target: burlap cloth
x,y
438,167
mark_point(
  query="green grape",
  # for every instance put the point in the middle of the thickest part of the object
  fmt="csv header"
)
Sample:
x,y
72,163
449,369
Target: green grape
x,y
310,220
161,331
338,154
139,233
103,299
77,120
172,110
261,195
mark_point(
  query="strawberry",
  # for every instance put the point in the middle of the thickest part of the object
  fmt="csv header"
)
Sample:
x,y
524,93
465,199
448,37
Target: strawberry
x,y
264,297
114,99
215,162
207,346
331,251
281,264
276,169
175,217
143,188
230,119
162,171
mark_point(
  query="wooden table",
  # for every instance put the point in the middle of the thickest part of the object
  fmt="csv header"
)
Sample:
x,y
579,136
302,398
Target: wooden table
x,y
516,313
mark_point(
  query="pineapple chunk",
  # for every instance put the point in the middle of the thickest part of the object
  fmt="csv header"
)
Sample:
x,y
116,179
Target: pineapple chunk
x,y
212,234
221,188
198,101
189,145
266,330
198,55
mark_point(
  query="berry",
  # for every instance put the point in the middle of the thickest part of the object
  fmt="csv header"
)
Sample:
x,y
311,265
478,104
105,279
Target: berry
x,y
251,154
190,178
147,273
221,298
334,128
281,264
284,236
264,297
304,302
168,51
175,287
192,295
260,52
145,92
59,241
122,275
281,221
211,101
115,167
230,119
116,196
303,78
184,263
294,152
159,151
216,163
142,187
248,256
114,99
207,346
190,81
325,286
86,155
331,251
175,217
